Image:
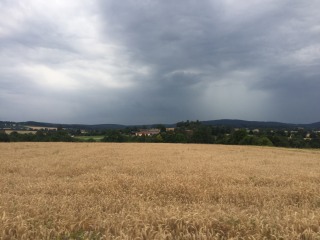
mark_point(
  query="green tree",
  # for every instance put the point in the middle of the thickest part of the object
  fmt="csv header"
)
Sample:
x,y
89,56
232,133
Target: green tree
x,y
181,138
237,136
113,136
280,141
315,143
263,141
169,137
40,136
297,142
4,137
159,138
248,140
202,134
15,137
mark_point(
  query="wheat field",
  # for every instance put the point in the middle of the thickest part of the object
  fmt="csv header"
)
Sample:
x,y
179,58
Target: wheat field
x,y
158,191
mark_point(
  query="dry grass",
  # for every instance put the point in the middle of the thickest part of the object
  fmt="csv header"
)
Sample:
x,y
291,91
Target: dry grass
x,y
20,131
157,191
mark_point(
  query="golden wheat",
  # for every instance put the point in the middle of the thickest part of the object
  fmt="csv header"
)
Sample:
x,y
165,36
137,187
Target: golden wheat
x,y
158,191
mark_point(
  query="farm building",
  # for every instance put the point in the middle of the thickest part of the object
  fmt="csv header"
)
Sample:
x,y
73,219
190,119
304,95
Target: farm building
x,y
147,132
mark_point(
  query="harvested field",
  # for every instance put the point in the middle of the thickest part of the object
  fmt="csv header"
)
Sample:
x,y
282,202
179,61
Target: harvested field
x,y
158,191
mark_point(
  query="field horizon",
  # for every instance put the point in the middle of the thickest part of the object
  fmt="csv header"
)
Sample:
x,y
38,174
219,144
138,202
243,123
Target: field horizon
x,y
158,191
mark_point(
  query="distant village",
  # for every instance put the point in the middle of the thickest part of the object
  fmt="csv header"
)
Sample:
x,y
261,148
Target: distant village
x,y
182,132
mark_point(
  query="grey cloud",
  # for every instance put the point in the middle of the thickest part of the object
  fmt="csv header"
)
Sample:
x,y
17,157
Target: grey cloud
x,y
166,61
177,36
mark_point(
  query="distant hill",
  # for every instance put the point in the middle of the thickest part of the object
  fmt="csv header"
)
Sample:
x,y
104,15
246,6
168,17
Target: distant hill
x,y
73,126
315,125
90,127
247,124
234,123
258,124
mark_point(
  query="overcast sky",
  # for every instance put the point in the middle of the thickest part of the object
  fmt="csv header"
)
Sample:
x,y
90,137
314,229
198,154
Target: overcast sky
x,y
159,61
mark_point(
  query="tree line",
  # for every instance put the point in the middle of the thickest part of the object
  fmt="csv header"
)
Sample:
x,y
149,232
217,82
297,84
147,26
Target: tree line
x,y
39,136
185,132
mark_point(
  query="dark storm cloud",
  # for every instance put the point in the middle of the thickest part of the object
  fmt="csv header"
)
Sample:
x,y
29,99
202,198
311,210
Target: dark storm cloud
x,y
136,62
192,43
170,35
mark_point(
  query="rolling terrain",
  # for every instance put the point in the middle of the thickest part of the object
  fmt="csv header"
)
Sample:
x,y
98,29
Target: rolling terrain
x,y
234,123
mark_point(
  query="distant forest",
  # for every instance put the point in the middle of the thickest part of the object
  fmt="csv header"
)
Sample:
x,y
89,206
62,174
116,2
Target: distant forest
x,y
183,132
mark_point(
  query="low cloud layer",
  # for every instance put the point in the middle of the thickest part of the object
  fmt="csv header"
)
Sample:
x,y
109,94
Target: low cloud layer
x,y
139,62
